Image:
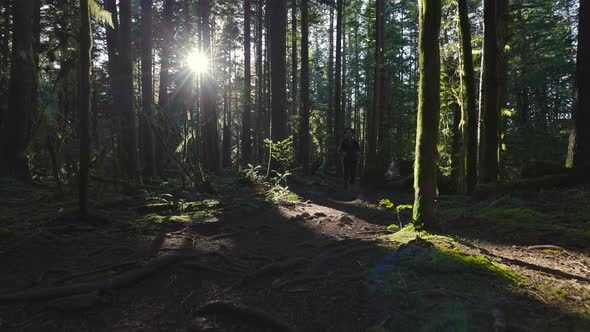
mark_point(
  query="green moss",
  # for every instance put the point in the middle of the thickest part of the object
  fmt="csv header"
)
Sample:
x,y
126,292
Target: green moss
x,y
151,218
551,251
7,233
409,233
454,259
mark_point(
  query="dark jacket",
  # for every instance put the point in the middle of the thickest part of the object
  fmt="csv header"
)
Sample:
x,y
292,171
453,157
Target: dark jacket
x,y
348,149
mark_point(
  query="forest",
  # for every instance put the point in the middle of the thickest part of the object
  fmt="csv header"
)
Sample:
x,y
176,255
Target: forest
x,y
294,165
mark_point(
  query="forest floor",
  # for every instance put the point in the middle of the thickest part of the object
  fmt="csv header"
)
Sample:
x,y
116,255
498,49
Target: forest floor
x,y
168,259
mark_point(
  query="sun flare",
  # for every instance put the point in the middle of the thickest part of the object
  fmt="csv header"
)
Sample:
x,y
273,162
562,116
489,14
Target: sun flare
x,y
197,62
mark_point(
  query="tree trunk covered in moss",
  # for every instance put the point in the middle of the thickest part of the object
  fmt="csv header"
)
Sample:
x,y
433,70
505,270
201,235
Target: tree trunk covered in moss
x,y
147,92
579,147
278,52
503,19
84,110
304,134
246,123
16,125
373,171
469,103
127,109
428,114
488,98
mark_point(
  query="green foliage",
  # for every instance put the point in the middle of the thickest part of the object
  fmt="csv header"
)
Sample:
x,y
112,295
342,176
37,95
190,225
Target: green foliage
x,y
275,188
388,204
282,152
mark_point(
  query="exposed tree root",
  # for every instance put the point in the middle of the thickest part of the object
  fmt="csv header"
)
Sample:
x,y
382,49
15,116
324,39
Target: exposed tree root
x,y
103,269
275,267
254,315
119,281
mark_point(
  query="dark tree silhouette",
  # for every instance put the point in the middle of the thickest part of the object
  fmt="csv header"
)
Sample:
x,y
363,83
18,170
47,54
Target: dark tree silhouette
x,y
278,51
304,136
147,92
16,125
469,102
84,110
246,122
579,148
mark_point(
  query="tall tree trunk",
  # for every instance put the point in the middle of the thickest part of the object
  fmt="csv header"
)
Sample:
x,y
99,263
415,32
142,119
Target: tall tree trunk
x,y
469,104
147,90
428,114
579,147
129,126
372,169
4,58
294,92
15,132
338,116
210,135
278,52
84,110
331,144
226,139
259,84
246,123
304,135
163,97
503,19
488,98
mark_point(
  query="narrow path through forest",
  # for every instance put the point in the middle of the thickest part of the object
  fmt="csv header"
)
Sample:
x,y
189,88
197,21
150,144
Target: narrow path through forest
x,y
325,263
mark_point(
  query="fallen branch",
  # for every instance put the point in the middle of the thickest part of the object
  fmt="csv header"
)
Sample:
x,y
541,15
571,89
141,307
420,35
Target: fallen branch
x,y
122,280
222,236
263,318
546,246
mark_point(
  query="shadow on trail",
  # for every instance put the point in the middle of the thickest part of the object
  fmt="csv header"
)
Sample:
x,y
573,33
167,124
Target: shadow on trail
x,y
312,273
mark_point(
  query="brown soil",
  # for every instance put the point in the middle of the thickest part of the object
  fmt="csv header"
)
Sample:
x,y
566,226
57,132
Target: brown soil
x,y
308,266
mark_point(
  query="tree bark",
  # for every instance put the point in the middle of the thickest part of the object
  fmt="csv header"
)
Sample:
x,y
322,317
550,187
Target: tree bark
x,y
147,90
428,115
129,123
372,169
211,156
84,111
278,51
331,144
304,135
246,122
488,98
579,147
469,106
163,96
338,116
259,84
15,133
294,87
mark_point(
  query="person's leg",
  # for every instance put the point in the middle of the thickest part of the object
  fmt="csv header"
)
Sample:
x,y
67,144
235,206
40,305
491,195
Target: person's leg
x,y
346,171
352,171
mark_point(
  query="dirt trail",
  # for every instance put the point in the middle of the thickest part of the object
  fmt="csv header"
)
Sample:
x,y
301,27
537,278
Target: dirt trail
x,y
310,266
